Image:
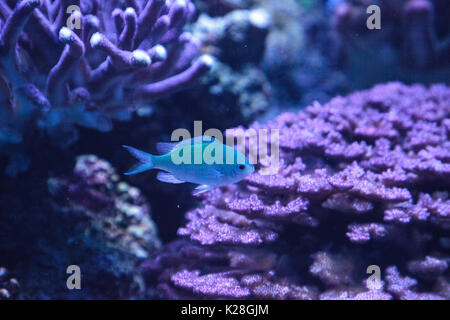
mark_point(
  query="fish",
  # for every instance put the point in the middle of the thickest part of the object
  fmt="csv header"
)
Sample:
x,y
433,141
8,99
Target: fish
x,y
201,160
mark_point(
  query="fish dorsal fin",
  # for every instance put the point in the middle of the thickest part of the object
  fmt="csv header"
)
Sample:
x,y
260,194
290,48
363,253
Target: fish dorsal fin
x,y
202,188
167,147
167,177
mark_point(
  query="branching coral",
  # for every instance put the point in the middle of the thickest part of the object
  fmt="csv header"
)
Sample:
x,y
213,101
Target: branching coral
x,y
363,181
89,67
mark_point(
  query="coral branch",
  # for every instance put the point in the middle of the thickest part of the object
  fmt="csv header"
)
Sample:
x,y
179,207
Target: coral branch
x,y
128,35
174,83
15,24
148,17
58,75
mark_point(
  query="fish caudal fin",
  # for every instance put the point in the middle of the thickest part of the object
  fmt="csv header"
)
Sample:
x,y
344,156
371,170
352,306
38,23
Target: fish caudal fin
x,y
145,161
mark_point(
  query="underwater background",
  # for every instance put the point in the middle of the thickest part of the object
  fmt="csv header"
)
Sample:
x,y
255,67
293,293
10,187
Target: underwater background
x,y
363,110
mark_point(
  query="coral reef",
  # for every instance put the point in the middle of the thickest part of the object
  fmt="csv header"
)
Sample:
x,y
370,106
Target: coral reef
x,y
89,218
9,287
363,182
87,63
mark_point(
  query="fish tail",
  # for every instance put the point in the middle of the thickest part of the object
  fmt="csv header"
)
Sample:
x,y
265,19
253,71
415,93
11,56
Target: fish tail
x,y
145,161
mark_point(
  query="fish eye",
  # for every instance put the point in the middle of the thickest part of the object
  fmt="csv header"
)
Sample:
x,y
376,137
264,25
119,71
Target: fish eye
x,y
241,167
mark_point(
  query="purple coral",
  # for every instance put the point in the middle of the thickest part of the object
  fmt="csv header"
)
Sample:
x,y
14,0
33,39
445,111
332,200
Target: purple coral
x,y
57,73
312,230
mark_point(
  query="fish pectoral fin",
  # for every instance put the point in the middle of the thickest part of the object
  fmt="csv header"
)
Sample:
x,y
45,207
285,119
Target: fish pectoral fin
x,y
167,177
203,188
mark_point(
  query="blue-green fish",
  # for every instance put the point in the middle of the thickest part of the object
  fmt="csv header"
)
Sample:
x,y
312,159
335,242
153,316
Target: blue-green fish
x,y
202,160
